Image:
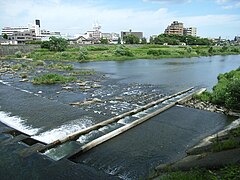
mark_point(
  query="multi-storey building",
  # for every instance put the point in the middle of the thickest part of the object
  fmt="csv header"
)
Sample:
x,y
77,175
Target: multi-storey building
x,y
175,28
191,31
21,36
30,32
178,28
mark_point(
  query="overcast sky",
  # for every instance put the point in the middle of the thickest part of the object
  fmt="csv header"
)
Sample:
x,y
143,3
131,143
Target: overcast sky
x,y
213,18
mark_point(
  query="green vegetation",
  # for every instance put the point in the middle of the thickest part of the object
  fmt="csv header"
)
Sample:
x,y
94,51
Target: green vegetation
x,y
123,51
17,67
226,92
53,79
131,39
196,174
230,143
5,36
83,72
34,42
126,52
104,41
38,63
228,172
18,54
61,66
55,44
174,39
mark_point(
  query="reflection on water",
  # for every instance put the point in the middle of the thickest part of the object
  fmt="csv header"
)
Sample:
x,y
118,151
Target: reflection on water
x,y
172,73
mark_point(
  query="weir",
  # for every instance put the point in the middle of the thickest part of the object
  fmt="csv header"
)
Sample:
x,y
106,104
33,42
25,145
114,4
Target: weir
x,y
154,108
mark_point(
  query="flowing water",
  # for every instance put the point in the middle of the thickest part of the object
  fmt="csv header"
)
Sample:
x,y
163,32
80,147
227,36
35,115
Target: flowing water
x,y
47,117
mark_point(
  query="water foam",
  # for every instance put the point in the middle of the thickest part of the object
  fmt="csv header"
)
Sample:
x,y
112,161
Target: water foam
x,y
5,83
17,123
64,130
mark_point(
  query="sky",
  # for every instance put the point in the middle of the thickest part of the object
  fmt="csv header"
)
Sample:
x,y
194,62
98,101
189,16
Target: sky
x,y
213,18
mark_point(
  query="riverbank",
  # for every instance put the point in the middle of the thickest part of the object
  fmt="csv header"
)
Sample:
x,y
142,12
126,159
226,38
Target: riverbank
x,y
216,156
124,52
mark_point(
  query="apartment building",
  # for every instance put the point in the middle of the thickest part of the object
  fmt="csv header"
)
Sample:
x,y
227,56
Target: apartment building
x,y
175,28
178,28
191,31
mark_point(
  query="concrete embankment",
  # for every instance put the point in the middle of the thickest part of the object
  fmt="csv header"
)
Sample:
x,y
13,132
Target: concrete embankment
x,y
207,155
12,49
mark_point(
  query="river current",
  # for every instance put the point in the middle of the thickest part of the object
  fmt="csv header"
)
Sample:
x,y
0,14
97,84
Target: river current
x,y
132,155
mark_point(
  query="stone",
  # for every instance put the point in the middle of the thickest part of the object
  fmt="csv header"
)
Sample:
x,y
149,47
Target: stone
x,y
82,83
23,80
67,88
96,86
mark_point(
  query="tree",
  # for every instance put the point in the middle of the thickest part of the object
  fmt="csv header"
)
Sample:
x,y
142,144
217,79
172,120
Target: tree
x,y
119,40
210,50
131,39
104,40
55,44
151,40
144,41
5,36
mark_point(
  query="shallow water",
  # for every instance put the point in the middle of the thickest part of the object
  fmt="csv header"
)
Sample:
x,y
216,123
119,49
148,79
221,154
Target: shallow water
x,y
164,138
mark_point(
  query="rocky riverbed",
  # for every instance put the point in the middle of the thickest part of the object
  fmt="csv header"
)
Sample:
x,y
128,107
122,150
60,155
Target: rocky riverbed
x,y
207,106
92,91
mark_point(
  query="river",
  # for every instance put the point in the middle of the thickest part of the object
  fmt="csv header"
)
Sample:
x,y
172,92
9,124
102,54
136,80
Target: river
x,y
131,155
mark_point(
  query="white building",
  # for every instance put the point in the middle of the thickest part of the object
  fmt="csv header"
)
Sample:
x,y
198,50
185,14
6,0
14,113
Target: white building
x,y
22,33
191,31
111,37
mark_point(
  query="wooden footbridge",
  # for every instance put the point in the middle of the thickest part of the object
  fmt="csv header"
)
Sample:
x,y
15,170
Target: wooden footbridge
x,y
151,109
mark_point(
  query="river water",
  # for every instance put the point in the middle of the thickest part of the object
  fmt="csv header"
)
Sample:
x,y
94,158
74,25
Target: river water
x,y
131,155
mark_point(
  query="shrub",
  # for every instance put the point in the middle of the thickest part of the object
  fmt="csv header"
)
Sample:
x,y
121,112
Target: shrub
x,y
52,79
233,94
38,63
226,92
205,96
97,48
158,52
188,49
18,54
45,44
123,51
17,67
55,44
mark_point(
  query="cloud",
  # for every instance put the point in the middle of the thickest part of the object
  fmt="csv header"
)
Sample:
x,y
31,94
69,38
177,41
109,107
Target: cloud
x,y
234,6
210,26
75,17
78,17
168,1
228,4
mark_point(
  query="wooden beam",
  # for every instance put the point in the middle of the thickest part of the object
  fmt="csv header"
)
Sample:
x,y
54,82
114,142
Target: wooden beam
x,y
125,128
76,134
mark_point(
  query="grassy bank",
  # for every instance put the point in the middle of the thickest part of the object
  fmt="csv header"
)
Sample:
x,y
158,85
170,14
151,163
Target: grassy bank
x,y
127,52
228,172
